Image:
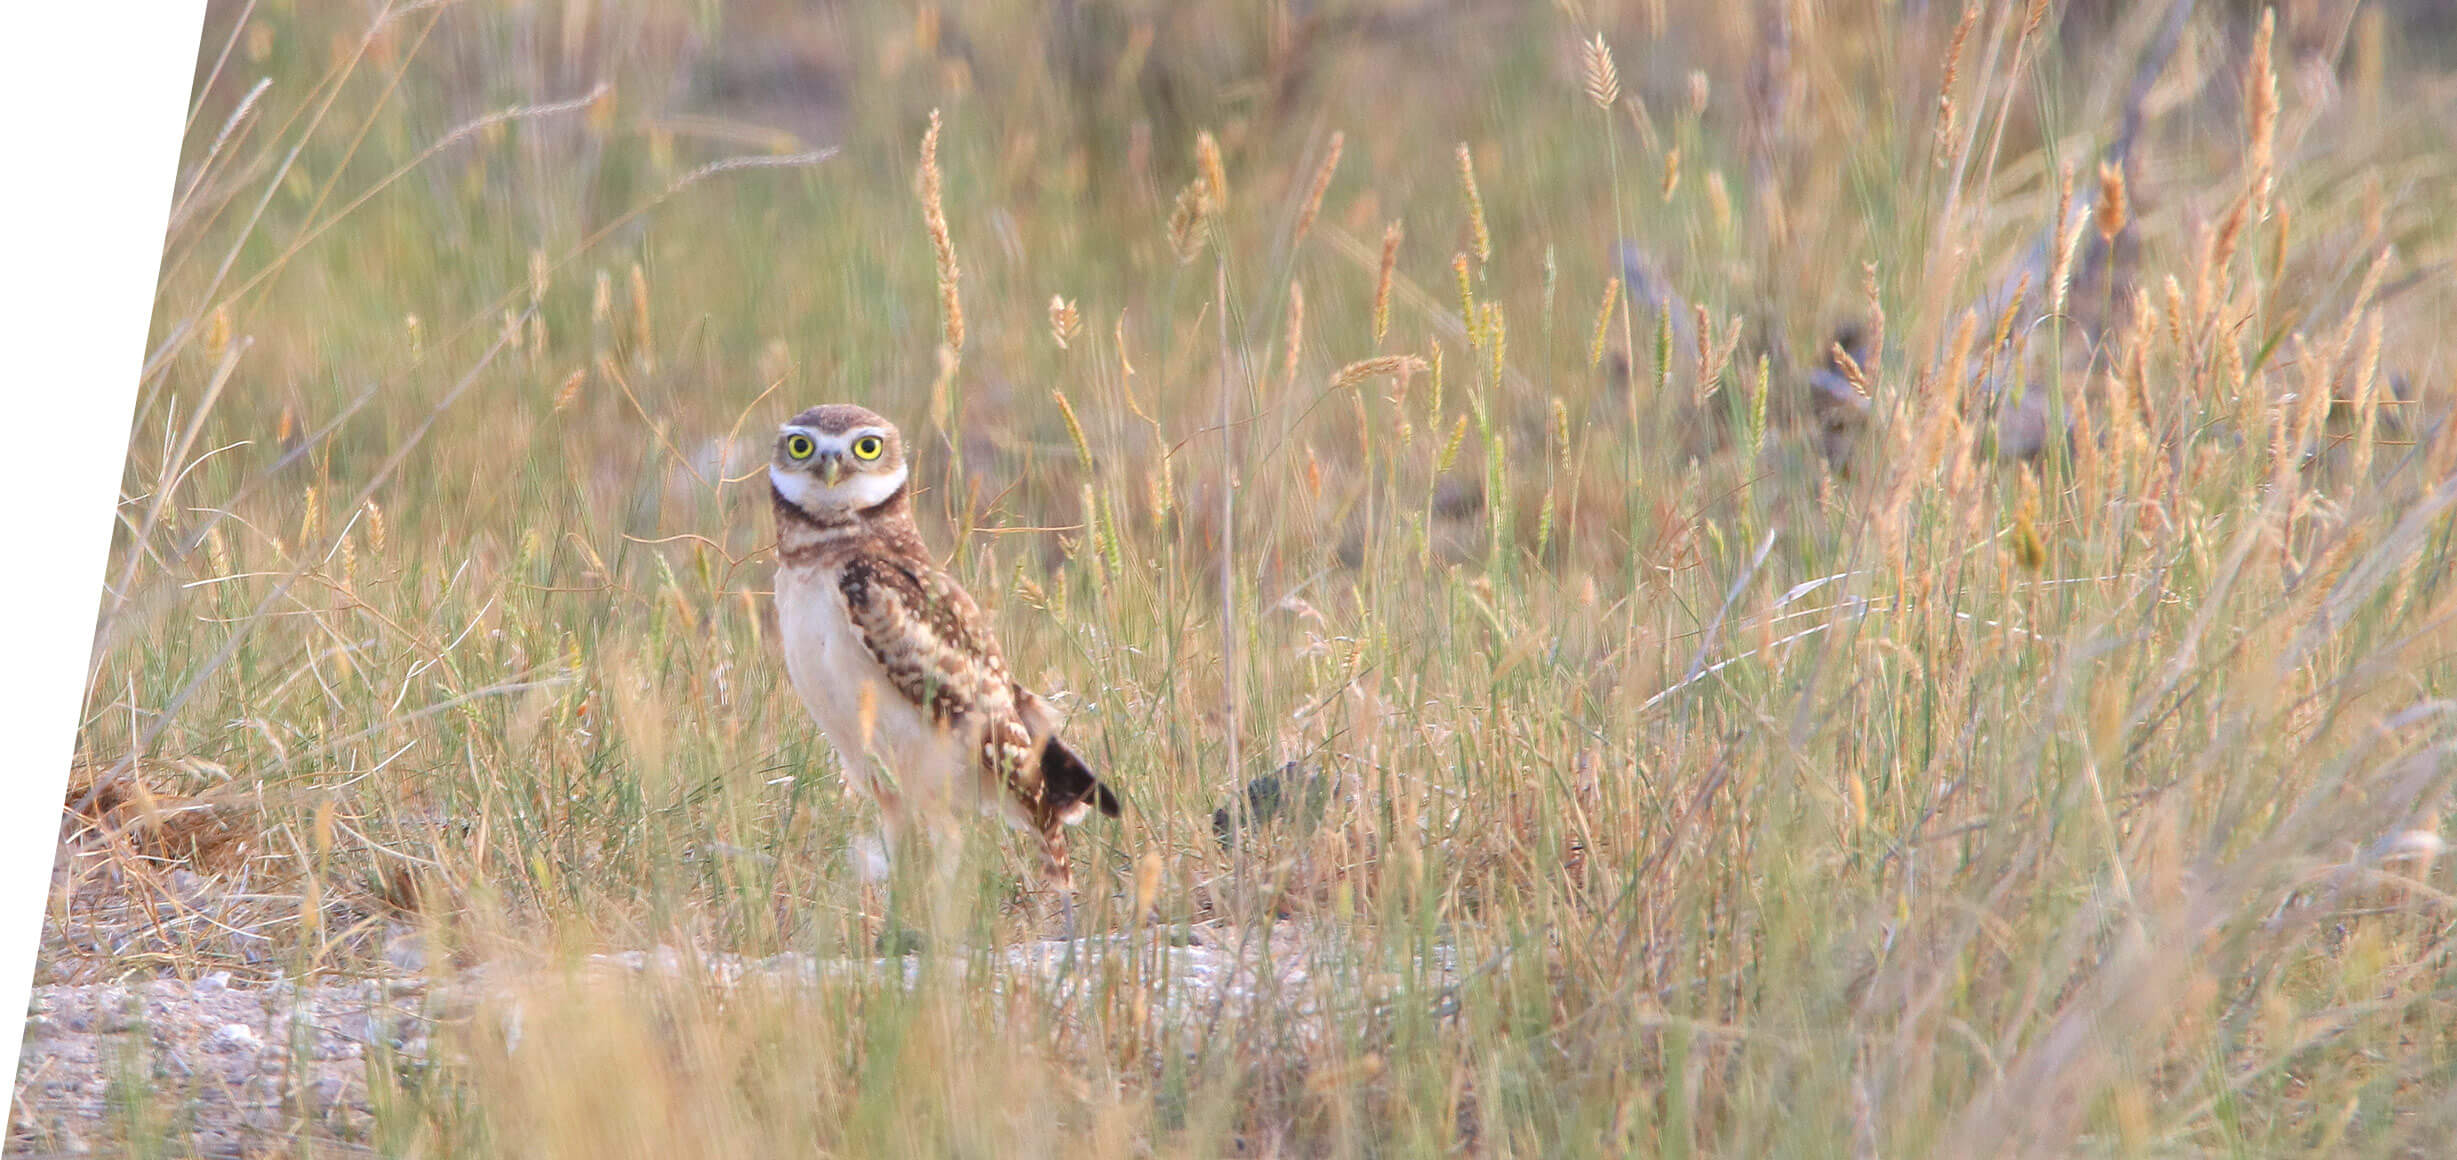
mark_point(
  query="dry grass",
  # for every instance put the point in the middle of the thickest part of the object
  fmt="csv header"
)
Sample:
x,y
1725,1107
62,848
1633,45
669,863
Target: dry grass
x,y
1940,661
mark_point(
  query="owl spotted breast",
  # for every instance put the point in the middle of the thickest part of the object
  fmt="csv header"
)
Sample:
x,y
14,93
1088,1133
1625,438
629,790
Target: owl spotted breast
x,y
895,662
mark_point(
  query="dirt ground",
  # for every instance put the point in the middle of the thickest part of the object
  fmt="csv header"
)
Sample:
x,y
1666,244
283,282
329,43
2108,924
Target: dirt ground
x,y
243,1069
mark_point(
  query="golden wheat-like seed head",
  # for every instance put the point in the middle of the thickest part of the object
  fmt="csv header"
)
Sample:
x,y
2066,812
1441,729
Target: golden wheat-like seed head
x,y
1853,372
375,527
1944,149
569,392
311,514
1186,218
1603,321
1475,205
1497,342
1156,492
1363,369
2005,319
2029,549
1757,404
942,242
2261,95
1672,172
1450,448
2036,17
1215,174
1663,357
1294,339
2230,233
2114,206
1603,78
1958,351
1382,281
1321,186
2367,397
1074,428
1704,326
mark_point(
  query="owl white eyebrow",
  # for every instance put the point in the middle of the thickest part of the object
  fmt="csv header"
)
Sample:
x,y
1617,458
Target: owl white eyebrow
x,y
822,441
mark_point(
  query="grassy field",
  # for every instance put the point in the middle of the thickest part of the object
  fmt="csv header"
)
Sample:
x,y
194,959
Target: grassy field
x,y
1688,739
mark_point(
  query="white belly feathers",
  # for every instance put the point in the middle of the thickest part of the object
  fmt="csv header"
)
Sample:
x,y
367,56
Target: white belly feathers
x,y
828,663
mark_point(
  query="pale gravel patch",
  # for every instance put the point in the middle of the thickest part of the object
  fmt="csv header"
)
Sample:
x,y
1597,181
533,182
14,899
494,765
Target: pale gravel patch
x,y
236,1066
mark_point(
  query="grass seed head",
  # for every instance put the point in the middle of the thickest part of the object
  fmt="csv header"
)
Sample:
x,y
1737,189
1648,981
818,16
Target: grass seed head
x,y
1450,447
1294,338
1603,322
569,392
1074,428
1602,77
1363,369
2060,265
1187,219
942,242
1475,205
1321,186
1382,282
1064,321
2113,207
2261,101
1215,173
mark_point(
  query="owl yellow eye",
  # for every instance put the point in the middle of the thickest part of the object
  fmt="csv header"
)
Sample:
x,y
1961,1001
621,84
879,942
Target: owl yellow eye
x,y
799,446
868,447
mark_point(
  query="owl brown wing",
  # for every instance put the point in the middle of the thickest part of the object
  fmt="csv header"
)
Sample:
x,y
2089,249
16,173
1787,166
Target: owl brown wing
x,y
925,630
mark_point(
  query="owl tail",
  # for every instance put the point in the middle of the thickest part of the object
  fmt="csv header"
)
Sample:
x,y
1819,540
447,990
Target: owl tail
x,y
1068,787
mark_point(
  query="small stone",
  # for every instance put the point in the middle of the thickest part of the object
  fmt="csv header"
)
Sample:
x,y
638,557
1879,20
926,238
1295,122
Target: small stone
x,y
214,983
234,1037
407,952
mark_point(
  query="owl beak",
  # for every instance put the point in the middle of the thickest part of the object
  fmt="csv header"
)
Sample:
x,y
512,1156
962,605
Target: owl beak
x,y
831,469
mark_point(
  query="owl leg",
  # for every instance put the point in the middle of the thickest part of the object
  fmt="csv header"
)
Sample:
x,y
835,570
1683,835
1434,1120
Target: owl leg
x,y
875,857
1058,871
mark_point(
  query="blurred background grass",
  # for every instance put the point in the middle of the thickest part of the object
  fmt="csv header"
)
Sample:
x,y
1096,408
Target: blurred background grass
x,y
1684,741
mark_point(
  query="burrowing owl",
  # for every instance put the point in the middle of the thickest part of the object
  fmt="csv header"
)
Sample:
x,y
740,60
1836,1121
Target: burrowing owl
x,y
895,662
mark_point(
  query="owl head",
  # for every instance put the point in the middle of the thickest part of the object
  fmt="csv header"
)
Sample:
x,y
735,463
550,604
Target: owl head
x,y
836,459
